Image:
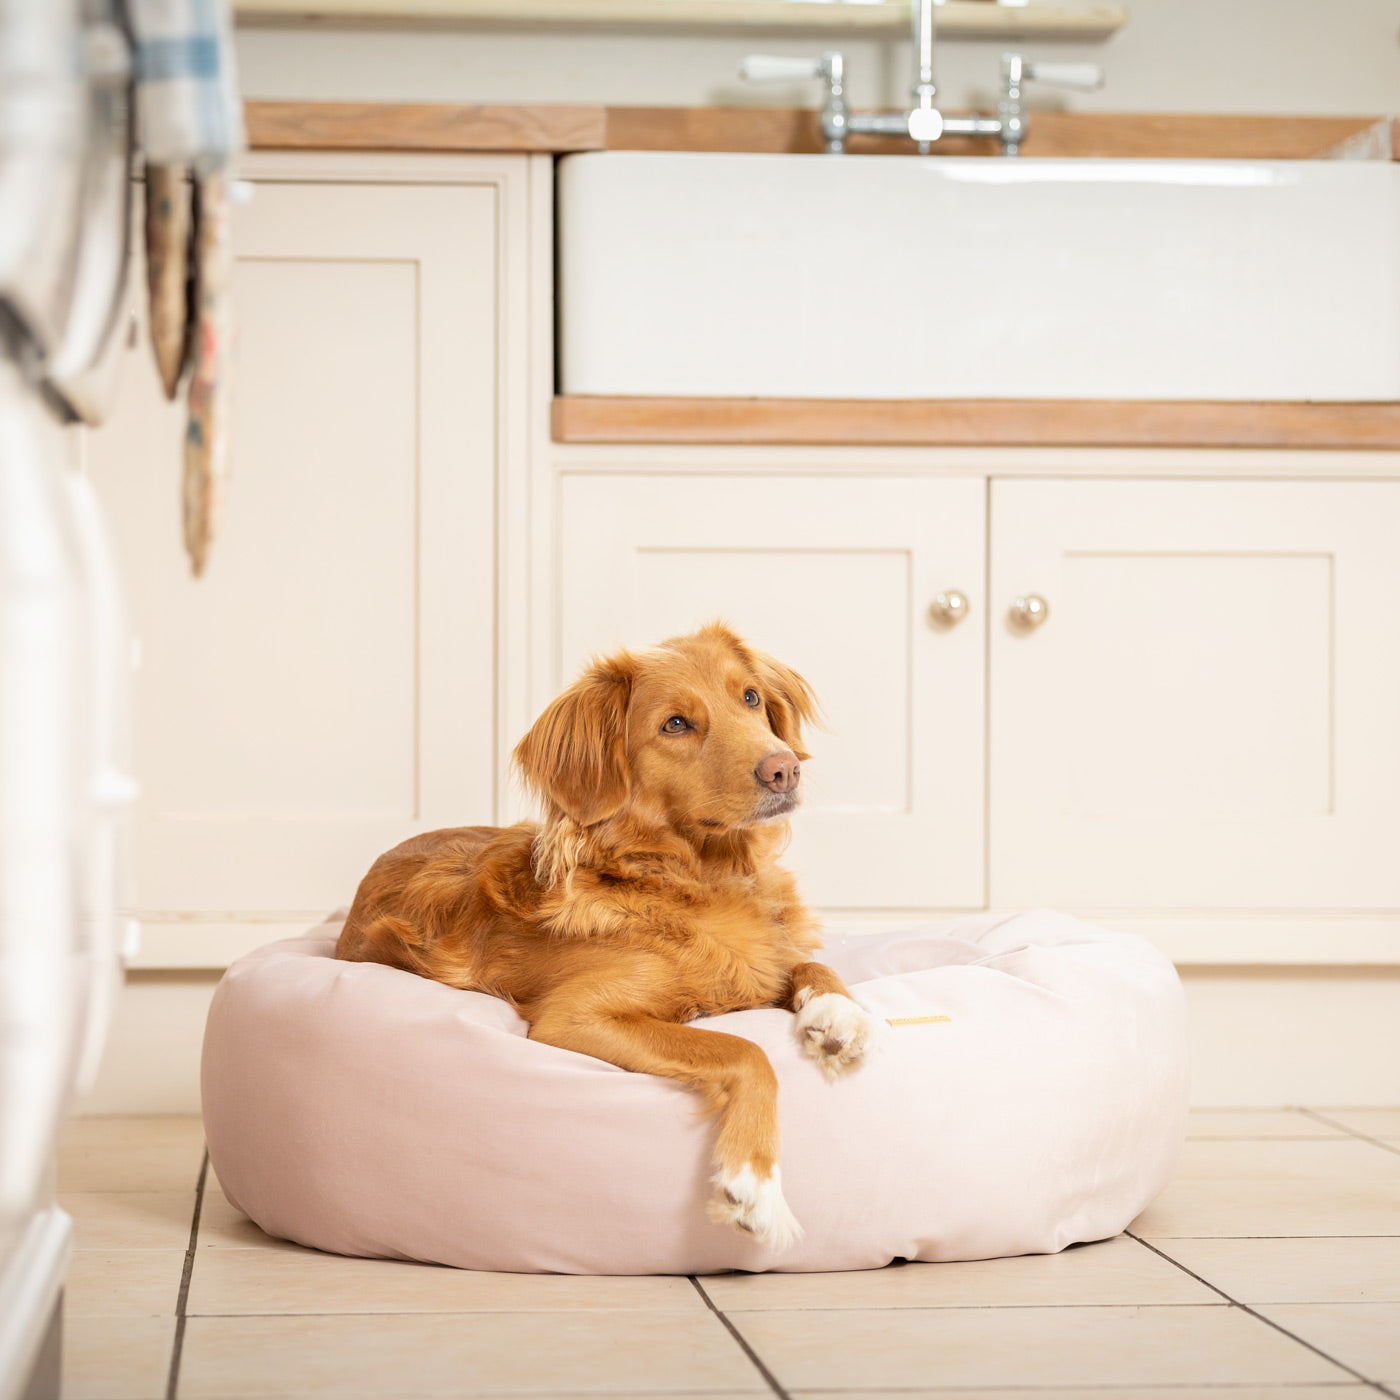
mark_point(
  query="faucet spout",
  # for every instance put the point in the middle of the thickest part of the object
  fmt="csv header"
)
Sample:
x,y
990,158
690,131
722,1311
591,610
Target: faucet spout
x,y
922,18
924,123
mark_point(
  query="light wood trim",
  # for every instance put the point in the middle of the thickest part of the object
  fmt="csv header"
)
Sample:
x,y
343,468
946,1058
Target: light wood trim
x,y
1105,134
965,18
422,126
410,126
1190,939
769,130
975,422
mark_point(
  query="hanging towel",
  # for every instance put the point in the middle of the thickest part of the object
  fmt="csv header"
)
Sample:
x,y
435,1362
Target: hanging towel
x,y
191,131
187,83
207,429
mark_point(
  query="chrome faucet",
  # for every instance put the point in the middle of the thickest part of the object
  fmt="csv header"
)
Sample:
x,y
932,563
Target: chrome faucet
x,y
922,122
925,120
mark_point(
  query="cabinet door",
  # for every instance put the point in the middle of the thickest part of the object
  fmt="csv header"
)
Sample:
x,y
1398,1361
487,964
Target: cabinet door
x,y
326,688
833,576
1207,716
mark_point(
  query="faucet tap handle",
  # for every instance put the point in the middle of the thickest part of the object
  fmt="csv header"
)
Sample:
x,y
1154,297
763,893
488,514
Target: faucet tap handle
x,y
829,67
1016,69
1084,77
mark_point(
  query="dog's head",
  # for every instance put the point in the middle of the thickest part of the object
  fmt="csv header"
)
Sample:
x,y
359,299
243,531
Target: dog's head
x,y
701,733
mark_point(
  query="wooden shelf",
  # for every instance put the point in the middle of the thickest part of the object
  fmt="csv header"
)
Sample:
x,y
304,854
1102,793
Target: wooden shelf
x,y
975,422
957,18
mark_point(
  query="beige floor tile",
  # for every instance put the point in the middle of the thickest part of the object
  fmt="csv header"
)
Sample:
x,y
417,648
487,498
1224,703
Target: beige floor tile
x,y
131,1129
130,1154
1382,1123
1322,1161
1256,1123
1357,1269
1331,1186
223,1226
1364,1336
1115,1271
290,1280
462,1354
1150,1392
1010,1347
116,1358
123,1282
130,1219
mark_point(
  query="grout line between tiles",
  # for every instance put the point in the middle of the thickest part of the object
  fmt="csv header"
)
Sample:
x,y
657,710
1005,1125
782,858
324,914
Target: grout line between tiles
x,y
1003,1308
1113,1392
768,1376
178,1344
1245,1308
1354,1132
1350,1235
457,1313
1222,1389
1263,1137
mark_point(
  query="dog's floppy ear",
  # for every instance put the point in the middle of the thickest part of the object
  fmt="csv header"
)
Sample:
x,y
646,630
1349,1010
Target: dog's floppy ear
x,y
575,755
788,700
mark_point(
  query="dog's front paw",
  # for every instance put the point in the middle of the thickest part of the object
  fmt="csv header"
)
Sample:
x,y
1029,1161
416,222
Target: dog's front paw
x,y
756,1206
834,1032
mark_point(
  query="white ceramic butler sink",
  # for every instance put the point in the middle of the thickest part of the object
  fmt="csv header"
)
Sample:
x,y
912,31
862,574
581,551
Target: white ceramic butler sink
x,y
946,277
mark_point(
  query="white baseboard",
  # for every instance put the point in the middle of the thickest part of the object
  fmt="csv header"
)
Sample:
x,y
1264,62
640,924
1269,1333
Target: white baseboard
x,y
171,943
1206,938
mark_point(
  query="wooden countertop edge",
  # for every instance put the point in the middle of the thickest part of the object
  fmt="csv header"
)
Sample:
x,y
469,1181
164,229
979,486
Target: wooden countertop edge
x,y
423,126
1144,135
974,423
415,126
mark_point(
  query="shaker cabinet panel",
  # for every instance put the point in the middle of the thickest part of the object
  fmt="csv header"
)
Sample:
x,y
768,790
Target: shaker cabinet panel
x,y
326,688
1205,713
835,577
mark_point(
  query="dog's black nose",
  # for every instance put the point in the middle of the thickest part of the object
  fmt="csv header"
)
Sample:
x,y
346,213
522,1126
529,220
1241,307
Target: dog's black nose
x,y
779,772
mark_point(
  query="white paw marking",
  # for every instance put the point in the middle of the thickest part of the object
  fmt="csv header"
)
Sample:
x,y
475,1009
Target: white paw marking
x,y
755,1206
834,1032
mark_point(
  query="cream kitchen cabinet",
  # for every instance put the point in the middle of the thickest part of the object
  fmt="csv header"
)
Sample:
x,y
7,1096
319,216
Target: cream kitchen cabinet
x,y
329,686
1204,721
1207,716
834,576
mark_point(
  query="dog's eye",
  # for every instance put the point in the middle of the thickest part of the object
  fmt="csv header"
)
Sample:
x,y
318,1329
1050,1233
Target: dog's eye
x,y
677,724
751,698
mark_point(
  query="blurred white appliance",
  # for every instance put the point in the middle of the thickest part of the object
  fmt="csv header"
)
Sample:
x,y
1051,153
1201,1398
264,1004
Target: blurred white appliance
x,y
65,154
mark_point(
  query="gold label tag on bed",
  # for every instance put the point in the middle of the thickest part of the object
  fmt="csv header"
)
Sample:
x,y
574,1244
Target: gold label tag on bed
x,y
916,1020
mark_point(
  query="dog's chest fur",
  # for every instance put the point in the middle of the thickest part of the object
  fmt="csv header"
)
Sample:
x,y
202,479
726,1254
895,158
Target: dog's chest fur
x,y
730,942
742,955
715,929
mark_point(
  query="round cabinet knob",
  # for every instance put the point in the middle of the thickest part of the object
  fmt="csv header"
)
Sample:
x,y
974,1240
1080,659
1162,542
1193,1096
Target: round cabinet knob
x,y
948,609
1028,612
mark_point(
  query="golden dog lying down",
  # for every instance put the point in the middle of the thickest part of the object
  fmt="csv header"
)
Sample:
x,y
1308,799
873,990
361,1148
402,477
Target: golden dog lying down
x,y
648,896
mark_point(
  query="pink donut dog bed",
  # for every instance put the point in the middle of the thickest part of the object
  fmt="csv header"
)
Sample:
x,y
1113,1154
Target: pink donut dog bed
x,y
1030,1094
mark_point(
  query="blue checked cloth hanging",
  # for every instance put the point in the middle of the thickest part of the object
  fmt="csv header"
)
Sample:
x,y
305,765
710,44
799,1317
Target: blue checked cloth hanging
x,y
187,101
